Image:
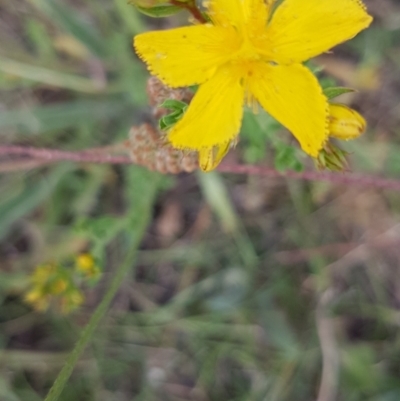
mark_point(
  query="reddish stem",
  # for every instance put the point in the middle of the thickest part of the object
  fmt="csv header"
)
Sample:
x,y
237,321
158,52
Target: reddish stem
x,y
192,8
334,178
90,156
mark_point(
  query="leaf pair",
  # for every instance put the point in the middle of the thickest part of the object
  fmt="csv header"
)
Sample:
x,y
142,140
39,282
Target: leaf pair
x,y
178,110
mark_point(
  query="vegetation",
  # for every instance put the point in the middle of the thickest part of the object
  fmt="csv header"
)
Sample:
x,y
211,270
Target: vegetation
x,y
227,286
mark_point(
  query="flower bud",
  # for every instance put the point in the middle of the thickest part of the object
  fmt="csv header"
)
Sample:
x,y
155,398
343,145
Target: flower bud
x,y
344,122
331,158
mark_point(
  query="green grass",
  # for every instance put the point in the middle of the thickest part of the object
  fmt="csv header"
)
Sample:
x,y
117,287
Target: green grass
x,y
242,288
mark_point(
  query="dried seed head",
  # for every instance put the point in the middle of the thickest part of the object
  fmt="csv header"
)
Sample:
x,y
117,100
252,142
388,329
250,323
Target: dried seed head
x,y
158,93
147,147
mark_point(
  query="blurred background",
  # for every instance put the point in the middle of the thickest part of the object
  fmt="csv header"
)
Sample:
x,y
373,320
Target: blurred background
x,y
244,288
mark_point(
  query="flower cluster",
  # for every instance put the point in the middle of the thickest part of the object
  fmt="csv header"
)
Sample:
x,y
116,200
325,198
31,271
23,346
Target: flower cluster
x,y
251,52
57,285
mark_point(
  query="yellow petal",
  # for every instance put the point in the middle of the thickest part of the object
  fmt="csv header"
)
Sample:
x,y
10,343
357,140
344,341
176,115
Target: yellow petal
x,y
241,14
292,95
226,12
214,115
209,158
301,29
186,56
256,14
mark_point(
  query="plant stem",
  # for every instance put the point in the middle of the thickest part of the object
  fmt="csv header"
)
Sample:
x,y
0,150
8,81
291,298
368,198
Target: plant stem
x,y
89,156
142,217
192,8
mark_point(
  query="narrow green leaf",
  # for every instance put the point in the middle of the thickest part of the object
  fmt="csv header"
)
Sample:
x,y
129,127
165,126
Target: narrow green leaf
x,y
217,197
173,104
50,77
179,108
130,16
41,39
336,91
170,120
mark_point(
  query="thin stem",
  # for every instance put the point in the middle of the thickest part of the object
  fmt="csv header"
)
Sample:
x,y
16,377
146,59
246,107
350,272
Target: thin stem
x,y
89,329
192,8
88,156
142,214
330,355
334,178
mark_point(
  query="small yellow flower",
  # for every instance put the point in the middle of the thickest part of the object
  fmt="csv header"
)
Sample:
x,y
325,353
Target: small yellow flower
x,y
53,284
345,123
250,53
33,296
86,264
39,300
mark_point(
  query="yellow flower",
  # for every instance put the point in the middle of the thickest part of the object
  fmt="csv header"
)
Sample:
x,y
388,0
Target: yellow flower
x,y
250,53
39,300
86,264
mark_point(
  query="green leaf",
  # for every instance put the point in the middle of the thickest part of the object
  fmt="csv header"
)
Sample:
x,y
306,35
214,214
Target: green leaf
x,y
41,39
49,76
173,104
100,231
160,11
179,109
100,228
336,91
131,17
169,121
216,194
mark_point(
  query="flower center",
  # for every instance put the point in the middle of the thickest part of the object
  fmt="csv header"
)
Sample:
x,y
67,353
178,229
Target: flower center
x,y
246,53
